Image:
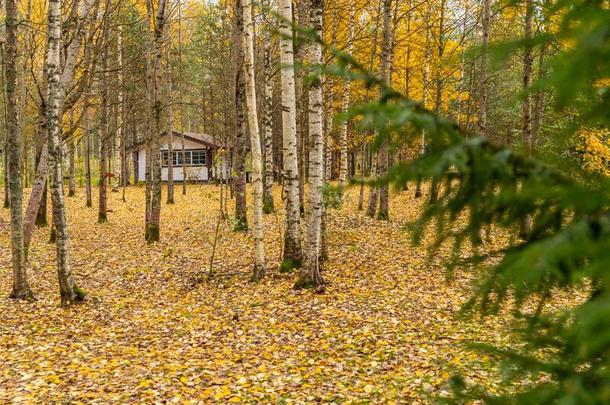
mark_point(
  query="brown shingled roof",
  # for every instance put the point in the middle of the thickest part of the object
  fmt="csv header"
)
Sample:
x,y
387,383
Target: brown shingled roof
x,y
203,139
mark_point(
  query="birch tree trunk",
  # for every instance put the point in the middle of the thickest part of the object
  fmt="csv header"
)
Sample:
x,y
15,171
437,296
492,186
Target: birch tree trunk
x,y
239,180
180,98
385,71
154,79
255,145
539,98
301,16
71,141
374,193
292,237
39,184
6,187
21,288
526,131
482,114
88,191
268,205
310,272
528,61
434,183
68,290
170,111
120,133
102,213
71,167
425,90
343,169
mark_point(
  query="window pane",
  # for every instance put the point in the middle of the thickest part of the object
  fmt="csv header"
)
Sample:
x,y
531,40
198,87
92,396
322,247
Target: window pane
x,y
198,157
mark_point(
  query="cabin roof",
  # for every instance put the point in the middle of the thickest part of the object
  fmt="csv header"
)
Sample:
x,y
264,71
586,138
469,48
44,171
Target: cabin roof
x,y
202,139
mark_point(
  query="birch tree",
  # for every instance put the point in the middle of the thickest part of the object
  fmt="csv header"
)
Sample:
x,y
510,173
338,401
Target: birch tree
x,y
310,272
255,144
268,205
482,113
292,237
385,72
153,195
120,111
87,129
67,75
68,290
170,111
240,150
21,288
102,213
343,169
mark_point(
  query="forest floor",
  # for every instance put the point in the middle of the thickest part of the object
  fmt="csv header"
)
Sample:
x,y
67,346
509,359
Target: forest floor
x,y
156,328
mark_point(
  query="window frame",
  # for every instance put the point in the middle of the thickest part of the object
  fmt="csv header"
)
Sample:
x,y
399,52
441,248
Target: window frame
x,y
188,155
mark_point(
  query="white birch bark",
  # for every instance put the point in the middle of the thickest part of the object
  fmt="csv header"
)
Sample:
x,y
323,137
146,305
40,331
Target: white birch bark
x,y
67,76
255,144
154,79
346,99
170,111
118,139
268,205
55,92
385,72
292,237
482,113
310,272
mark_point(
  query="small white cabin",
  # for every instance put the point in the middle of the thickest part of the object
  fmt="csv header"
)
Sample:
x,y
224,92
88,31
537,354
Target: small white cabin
x,y
204,160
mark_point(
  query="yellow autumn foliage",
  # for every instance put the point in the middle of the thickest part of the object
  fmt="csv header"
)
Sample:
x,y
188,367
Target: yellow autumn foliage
x,y
593,149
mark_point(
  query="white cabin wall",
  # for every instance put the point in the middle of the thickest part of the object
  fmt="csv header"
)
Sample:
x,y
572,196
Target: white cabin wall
x,y
142,164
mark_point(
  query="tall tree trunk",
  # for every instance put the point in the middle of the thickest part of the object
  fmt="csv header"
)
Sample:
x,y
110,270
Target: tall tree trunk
x,y
374,190
68,290
528,59
255,145
292,236
71,159
268,205
385,72
526,131
240,152
102,213
310,273
170,111
184,179
343,170
539,99
154,79
124,169
21,288
120,109
301,15
374,193
7,196
328,139
482,118
88,190
425,90
71,167
434,185
39,184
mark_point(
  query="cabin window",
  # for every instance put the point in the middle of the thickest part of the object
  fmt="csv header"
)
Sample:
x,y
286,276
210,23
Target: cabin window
x,y
193,157
198,157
